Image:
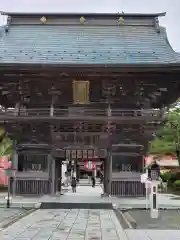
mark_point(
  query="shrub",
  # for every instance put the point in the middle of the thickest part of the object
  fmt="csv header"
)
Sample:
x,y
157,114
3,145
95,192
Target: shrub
x,y
170,177
166,176
177,175
176,185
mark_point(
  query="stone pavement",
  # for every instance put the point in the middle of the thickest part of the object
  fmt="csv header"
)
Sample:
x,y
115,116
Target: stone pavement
x,y
87,193
146,234
66,225
79,225
84,224
7,213
164,201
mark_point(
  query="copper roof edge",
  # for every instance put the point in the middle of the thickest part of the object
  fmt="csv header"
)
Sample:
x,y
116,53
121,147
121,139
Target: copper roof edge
x,y
87,14
119,66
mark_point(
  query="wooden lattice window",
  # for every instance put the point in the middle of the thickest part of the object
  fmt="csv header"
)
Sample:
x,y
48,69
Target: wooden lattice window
x,y
81,92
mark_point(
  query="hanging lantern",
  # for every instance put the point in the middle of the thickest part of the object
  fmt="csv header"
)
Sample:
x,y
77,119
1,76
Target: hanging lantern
x,y
43,20
121,20
82,20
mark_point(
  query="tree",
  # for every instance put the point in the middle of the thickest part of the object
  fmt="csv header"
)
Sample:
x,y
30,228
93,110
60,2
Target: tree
x,y
6,144
167,140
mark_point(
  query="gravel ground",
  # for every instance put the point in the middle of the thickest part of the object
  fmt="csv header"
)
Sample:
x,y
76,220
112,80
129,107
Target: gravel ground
x,y
168,219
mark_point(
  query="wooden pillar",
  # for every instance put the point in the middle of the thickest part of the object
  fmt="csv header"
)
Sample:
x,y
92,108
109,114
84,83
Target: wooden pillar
x,y
14,160
58,174
77,171
108,173
53,190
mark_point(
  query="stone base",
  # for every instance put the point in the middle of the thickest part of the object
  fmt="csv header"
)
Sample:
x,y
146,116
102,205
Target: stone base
x,y
105,195
76,205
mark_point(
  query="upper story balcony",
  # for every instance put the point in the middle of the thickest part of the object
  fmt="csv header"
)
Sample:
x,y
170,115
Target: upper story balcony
x,y
81,114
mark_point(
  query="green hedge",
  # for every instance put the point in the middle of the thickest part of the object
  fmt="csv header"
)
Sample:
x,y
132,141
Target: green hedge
x,y
176,185
170,177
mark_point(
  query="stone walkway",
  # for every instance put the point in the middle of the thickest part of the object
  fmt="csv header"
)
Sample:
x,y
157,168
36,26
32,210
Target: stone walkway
x,y
153,234
87,193
66,225
7,213
83,224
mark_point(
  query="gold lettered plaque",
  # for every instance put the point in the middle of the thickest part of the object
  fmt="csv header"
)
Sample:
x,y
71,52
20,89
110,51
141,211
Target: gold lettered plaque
x,y
81,92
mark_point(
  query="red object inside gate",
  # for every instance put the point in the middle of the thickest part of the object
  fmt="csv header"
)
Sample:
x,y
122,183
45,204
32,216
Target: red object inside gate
x,y
89,164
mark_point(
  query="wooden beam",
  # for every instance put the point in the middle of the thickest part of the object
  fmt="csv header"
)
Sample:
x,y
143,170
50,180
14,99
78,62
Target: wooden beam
x,y
27,76
128,154
79,118
161,68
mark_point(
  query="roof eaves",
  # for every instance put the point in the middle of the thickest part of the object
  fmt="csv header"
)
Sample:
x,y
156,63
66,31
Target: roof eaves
x,y
86,14
116,67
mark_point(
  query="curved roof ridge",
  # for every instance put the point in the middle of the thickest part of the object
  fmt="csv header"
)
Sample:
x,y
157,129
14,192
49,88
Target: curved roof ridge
x,y
84,14
177,56
164,33
1,30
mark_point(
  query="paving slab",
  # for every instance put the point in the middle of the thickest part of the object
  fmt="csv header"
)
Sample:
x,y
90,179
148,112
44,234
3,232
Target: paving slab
x,y
167,219
147,234
9,213
86,194
59,224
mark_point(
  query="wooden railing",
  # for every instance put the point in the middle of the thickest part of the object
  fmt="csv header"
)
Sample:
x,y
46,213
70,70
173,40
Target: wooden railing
x,y
58,112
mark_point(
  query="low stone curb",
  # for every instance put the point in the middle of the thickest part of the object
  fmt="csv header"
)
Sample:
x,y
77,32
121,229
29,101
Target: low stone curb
x,y
119,225
132,222
122,219
8,222
143,207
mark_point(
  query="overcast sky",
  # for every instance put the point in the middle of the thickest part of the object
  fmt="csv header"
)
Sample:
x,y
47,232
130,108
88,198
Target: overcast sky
x,y
171,7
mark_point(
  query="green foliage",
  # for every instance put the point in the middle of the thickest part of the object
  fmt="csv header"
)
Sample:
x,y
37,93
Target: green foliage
x,y
176,185
170,177
6,144
167,140
166,176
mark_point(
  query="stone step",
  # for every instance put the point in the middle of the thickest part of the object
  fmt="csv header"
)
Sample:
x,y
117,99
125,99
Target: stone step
x,y
75,205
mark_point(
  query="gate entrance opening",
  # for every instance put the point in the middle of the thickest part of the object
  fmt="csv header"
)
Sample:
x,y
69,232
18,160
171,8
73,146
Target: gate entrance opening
x,y
84,162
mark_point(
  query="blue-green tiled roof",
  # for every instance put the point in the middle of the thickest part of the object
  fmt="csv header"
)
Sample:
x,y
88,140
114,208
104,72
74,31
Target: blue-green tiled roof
x,y
85,45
